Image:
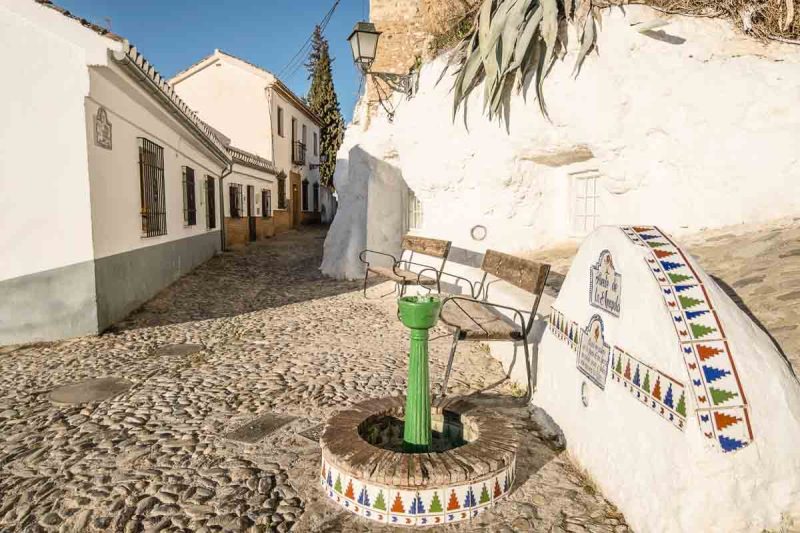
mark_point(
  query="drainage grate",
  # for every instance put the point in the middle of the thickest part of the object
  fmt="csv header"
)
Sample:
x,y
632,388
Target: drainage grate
x,y
313,433
257,429
175,350
92,390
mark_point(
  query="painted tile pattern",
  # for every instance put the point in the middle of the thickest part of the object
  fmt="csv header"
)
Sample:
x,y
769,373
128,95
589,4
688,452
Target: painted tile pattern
x,y
410,508
720,400
663,394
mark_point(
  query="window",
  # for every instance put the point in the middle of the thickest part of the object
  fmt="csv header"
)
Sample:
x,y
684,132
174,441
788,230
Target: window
x,y
585,196
266,203
305,195
294,130
211,212
189,207
280,121
281,191
316,197
413,212
305,134
235,195
316,143
151,184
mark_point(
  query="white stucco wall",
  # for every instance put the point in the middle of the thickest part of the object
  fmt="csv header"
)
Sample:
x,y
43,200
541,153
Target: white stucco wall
x,y
115,182
662,478
231,99
44,176
686,136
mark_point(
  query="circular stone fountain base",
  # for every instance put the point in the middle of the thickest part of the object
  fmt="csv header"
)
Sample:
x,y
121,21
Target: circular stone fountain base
x,y
469,469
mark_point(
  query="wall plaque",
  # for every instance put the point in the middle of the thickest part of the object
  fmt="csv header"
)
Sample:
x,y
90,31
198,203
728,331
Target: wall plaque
x,y
594,353
102,129
605,284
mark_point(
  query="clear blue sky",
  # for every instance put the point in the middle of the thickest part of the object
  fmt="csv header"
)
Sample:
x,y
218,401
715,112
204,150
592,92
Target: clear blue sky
x,y
173,34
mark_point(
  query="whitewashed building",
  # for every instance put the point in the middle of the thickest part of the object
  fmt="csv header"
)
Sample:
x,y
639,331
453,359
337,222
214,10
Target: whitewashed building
x,y
110,183
265,118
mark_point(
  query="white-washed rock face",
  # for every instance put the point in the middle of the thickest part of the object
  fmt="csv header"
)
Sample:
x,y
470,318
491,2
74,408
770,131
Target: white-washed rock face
x,y
687,127
680,408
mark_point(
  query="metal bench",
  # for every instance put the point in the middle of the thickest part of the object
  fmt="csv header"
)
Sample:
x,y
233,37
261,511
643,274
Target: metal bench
x,y
474,319
400,271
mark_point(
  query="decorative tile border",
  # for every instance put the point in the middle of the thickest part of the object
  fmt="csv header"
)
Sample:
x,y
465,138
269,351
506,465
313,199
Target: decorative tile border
x,y
720,400
655,389
408,507
664,395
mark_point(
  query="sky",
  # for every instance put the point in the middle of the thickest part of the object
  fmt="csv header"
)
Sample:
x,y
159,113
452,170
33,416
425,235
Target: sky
x,y
173,34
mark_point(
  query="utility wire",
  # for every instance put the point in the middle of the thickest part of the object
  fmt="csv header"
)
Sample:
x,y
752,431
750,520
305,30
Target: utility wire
x,y
297,59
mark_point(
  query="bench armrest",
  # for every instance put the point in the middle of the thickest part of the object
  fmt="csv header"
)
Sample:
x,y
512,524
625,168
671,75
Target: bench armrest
x,y
443,273
363,257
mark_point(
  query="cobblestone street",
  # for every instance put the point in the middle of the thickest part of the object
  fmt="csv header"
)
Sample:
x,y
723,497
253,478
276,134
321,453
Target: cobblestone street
x,y
275,336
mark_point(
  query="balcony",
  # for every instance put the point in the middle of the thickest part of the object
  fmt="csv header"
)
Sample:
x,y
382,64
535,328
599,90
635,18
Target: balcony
x,y
298,153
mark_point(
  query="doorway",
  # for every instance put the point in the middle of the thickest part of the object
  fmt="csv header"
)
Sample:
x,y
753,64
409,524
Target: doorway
x,y
251,219
295,178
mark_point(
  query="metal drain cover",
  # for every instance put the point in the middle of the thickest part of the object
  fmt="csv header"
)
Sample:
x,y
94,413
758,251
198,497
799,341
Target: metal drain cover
x,y
257,429
178,349
92,390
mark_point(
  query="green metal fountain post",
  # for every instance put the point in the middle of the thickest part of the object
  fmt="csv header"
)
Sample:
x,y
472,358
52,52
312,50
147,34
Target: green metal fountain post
x,y
418,313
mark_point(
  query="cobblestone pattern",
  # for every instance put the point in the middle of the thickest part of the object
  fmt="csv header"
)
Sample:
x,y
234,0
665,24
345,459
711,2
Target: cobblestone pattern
x,y
276,336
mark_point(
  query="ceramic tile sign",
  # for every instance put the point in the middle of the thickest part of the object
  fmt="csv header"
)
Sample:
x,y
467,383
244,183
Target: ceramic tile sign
x,y
594,353
605,284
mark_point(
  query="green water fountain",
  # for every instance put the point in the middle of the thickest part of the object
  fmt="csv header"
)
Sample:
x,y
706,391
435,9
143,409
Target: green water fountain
x,y
419,314
412,461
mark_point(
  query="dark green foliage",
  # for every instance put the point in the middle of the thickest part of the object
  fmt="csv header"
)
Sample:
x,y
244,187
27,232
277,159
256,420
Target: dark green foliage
x,y
323,101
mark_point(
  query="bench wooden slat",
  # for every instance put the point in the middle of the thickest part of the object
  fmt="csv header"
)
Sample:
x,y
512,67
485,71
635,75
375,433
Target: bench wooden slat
x,y
523,273
426,246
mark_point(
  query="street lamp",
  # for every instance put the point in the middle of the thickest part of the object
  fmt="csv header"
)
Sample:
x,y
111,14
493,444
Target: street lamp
x,y
364,45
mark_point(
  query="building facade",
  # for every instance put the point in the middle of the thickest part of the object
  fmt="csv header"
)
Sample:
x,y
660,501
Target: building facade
x,y
130,175
266,119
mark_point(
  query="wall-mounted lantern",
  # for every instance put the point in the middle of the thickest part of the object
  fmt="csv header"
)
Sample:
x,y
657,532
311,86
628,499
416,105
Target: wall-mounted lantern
x,y
364,45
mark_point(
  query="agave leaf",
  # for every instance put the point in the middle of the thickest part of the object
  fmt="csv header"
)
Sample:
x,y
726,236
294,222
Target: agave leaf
x,y
511,33
540,71
587,42
581,14
549,26
525,38
598,16
568,9
484,26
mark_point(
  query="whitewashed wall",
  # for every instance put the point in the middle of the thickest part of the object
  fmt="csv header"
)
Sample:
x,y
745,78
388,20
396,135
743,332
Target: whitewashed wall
x,y
43,158
685,136
115,187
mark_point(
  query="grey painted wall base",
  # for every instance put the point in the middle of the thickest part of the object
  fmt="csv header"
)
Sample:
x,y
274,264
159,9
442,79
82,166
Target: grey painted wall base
x,y
127,280
48,305
86,298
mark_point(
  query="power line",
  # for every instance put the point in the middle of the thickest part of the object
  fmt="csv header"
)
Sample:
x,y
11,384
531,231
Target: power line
x,y
297,59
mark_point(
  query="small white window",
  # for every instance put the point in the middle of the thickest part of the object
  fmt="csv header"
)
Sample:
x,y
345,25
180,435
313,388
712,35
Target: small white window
x,y
585,200
413,212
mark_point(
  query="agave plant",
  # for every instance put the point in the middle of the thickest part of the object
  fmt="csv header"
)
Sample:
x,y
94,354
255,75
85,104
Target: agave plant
x,y
514,39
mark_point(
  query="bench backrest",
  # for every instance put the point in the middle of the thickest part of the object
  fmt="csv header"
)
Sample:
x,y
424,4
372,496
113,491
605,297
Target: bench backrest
x,y
426,246
526,274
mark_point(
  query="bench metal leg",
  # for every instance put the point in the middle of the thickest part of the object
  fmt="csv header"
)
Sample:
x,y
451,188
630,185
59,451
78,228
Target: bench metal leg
x,y
531,380
456,335
366,276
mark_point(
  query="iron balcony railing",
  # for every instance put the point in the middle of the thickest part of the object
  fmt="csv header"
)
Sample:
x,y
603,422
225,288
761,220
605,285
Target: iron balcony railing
x,y
299,153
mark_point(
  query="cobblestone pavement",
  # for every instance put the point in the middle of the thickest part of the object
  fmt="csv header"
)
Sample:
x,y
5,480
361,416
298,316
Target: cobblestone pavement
x,y
276,337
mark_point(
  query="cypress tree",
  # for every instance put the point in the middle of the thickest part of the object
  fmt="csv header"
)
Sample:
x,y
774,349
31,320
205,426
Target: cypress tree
x,y
323,101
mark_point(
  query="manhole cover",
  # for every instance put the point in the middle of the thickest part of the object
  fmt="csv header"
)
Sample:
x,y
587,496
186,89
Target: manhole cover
x,y
92,390
313,433
178,349
257,429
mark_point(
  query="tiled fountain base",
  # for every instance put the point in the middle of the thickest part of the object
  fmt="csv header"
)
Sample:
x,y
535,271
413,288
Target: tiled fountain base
x,y
418,489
